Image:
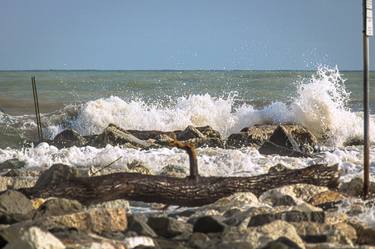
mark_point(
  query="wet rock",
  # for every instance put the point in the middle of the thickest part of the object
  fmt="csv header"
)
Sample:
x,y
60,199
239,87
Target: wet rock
x,y
289,216
138,224
209,132
151,134
174,171
33,238
355,187
138,242
251,136
60,206
168,227
115,135
327,200
14,207
278,168
208,224
365,233
68,138
138,167
289,140
12,164
190,132
206,142
56,174
269,148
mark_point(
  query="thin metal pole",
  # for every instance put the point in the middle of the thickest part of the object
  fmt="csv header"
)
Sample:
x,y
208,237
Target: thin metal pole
x,y
36,106
366,117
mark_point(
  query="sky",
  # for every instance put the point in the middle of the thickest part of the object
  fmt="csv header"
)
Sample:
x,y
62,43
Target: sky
x,y
177,34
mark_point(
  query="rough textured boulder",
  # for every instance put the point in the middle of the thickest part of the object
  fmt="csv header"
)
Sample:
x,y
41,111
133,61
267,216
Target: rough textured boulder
x,y
251,136
33,238
68,138
60,206
138,223
168,227
12,164
14,207
208,224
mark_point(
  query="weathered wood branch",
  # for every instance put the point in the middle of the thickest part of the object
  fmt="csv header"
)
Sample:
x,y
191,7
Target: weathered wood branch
x,y
59,181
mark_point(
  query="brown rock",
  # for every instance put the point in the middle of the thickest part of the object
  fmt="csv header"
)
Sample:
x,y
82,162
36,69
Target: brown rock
x,y
327,200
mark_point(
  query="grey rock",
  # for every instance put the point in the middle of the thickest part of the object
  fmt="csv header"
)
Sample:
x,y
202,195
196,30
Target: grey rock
x,y
58,206
68,138
14,207
289,216
12,164
138,224
190,132
174,170
168,227
208,224
281,243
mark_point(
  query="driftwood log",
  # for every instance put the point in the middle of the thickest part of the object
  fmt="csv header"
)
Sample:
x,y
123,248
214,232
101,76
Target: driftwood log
x,y
62,181
59,181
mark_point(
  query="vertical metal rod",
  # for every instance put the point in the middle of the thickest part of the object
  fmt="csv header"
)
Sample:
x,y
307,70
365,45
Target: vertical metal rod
x,y
366,120
36,106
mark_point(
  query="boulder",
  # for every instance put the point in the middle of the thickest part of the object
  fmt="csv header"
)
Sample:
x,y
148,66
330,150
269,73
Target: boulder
x,y
327,200
288,216
115,135
14,207
240,200
168,227
33,238
208,224
58,206
251,136
139,242
355,187
138,223
68,138
289,140
189,133
12,164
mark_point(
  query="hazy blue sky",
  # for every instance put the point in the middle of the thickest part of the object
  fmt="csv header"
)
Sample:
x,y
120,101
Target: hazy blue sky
x,y
176,34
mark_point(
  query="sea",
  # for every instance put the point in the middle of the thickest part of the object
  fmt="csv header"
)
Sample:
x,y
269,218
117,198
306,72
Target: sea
x,y
327,101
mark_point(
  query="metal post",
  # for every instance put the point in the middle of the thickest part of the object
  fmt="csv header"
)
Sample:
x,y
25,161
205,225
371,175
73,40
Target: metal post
x,y
367,31
37,112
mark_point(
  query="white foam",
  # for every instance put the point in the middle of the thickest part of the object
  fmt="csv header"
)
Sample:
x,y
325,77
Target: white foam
x,y
320,103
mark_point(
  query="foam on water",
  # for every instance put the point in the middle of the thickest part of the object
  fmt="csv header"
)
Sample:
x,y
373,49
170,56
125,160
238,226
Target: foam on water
x,y
319,103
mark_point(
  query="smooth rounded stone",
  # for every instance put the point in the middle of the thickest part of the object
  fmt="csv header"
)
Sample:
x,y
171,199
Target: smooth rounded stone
x,y
138,223
174,171
33,238
300,192
240,200
14,207
208,224
12,164
57,206
168,227
138,241
259,237
68,138
327,200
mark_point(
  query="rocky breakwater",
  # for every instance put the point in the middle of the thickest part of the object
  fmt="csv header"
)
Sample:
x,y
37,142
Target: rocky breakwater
x,y
293,216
